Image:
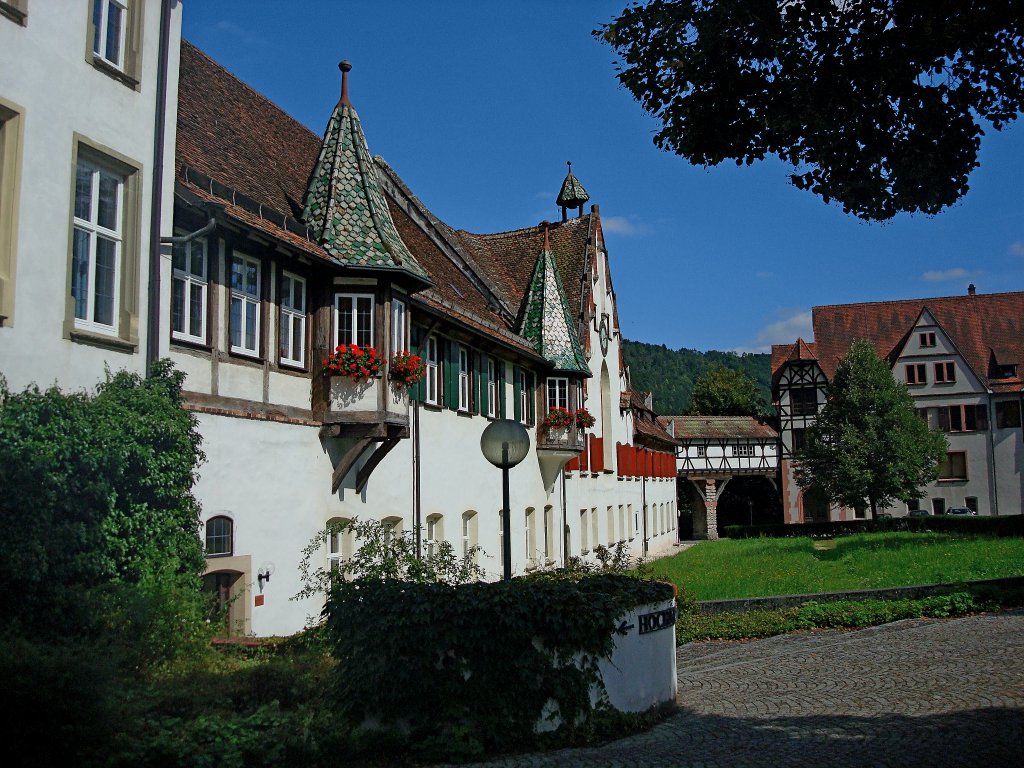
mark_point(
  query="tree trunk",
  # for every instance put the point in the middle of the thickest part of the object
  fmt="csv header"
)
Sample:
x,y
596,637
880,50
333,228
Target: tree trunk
x,y
874,516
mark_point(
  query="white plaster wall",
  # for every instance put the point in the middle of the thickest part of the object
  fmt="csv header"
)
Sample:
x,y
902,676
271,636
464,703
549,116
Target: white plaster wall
x,y
45,72
641,671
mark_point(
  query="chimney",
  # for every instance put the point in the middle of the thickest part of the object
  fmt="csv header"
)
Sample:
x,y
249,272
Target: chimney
x,y
971,290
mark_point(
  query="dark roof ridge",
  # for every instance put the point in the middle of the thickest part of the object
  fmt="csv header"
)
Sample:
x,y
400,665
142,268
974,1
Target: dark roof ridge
x,y
441,235
253,91
522,230
919,301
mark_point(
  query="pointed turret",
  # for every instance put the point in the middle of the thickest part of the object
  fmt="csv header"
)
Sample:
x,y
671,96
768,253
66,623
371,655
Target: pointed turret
x,y
345,206
572,194
547,322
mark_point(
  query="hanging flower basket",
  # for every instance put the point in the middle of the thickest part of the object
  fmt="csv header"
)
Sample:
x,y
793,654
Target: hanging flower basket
x,y
354,362
406,369
584,420
557,418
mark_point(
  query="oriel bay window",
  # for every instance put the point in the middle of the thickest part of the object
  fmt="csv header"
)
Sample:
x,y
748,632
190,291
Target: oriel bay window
x,y
96,246
244,319
558,393
353,319
292,331
189,287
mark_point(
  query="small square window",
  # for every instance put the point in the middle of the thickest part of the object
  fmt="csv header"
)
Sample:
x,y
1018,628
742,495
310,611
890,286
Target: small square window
x,y
927,339
954,466
945,373
916,373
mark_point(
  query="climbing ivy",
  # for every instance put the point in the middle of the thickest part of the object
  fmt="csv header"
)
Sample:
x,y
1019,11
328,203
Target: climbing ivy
x,y
480,663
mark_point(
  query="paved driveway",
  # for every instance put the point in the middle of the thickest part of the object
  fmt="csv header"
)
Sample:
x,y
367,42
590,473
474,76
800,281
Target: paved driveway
x,y
914,693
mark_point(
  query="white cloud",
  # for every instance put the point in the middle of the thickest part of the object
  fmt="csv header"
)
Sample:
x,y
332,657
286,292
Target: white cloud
x,y
620,225
246,36
783,331
1017,249
941,276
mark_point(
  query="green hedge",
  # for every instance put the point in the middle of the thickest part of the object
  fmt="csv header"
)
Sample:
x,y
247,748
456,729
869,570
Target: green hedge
x,y
475,664
1009,526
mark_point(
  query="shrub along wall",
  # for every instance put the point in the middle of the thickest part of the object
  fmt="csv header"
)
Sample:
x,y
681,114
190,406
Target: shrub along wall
x,y
1009,526
476,663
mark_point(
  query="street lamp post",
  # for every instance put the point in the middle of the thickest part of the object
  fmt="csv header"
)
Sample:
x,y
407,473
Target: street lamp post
x,y
505,443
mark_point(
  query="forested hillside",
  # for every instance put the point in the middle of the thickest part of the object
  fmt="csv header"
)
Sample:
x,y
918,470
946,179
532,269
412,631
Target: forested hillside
x,y
670,373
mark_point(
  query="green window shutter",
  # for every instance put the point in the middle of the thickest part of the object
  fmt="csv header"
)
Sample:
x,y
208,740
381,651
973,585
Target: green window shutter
x,y
501,389
517,406
483,382
418,390
475,381
451,379
531,400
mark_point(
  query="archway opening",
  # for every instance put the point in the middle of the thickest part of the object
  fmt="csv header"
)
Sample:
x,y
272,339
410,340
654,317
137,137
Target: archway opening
x,y
748,500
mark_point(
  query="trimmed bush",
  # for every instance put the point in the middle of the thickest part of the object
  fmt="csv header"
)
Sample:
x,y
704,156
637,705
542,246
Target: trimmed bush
x,y
478,664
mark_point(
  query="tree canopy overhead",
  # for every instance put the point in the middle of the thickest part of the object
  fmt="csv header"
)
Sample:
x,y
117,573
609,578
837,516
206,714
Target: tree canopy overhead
x,y
723,391
877,104
867,445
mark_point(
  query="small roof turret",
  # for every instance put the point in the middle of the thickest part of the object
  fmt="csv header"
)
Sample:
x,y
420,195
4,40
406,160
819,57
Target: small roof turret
x,y
572,194
547,322
345,205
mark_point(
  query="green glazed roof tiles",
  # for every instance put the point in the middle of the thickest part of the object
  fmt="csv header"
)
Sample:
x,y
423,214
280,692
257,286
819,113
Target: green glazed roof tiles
x,y
572,194
345,206
547,322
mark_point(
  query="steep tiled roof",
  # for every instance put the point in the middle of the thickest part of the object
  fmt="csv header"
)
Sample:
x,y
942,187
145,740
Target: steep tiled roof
x,y
509,258
784,353
572,194
984,327
238,150
547,321
651,433
690,427
233,134
345,206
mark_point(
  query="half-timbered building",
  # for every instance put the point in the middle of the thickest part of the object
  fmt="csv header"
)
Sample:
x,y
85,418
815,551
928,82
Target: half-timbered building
x,y
960,358
289,245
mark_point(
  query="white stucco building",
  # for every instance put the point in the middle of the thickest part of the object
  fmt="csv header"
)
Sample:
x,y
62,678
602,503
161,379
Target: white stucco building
x,y
86,182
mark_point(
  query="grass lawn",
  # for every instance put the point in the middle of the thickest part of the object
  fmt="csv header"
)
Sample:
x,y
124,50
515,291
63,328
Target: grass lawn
x,y
718,570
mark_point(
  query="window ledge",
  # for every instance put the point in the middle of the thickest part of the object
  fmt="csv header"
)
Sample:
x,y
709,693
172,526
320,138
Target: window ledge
x,y
16,15
110,70
107,342
191,344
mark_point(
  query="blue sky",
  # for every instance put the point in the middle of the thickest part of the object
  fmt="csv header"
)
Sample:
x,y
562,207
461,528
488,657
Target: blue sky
x,y
477,105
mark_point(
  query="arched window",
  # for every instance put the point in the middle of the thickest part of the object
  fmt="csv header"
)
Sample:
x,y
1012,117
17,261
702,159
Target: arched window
x,y
219,536
339,542
435,533
393,526
469,531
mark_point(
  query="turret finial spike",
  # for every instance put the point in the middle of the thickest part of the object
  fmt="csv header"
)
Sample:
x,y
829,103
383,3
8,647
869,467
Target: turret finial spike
x,y
345,66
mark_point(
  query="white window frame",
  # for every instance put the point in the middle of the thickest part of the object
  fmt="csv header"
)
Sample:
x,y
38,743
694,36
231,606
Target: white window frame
x,y
292,318
357,334
530,536
435,532
743,450
463,378
584,532
469,532
245,300
557,392
492,388
432,393
190,281
94,232
339,544
102,20
398,324
524,398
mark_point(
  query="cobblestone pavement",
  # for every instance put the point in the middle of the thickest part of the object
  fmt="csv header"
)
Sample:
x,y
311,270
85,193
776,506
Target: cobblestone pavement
x,y
914,693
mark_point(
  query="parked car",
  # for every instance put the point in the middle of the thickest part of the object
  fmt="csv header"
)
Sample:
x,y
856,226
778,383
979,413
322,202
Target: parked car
x,y
919,513
960,511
